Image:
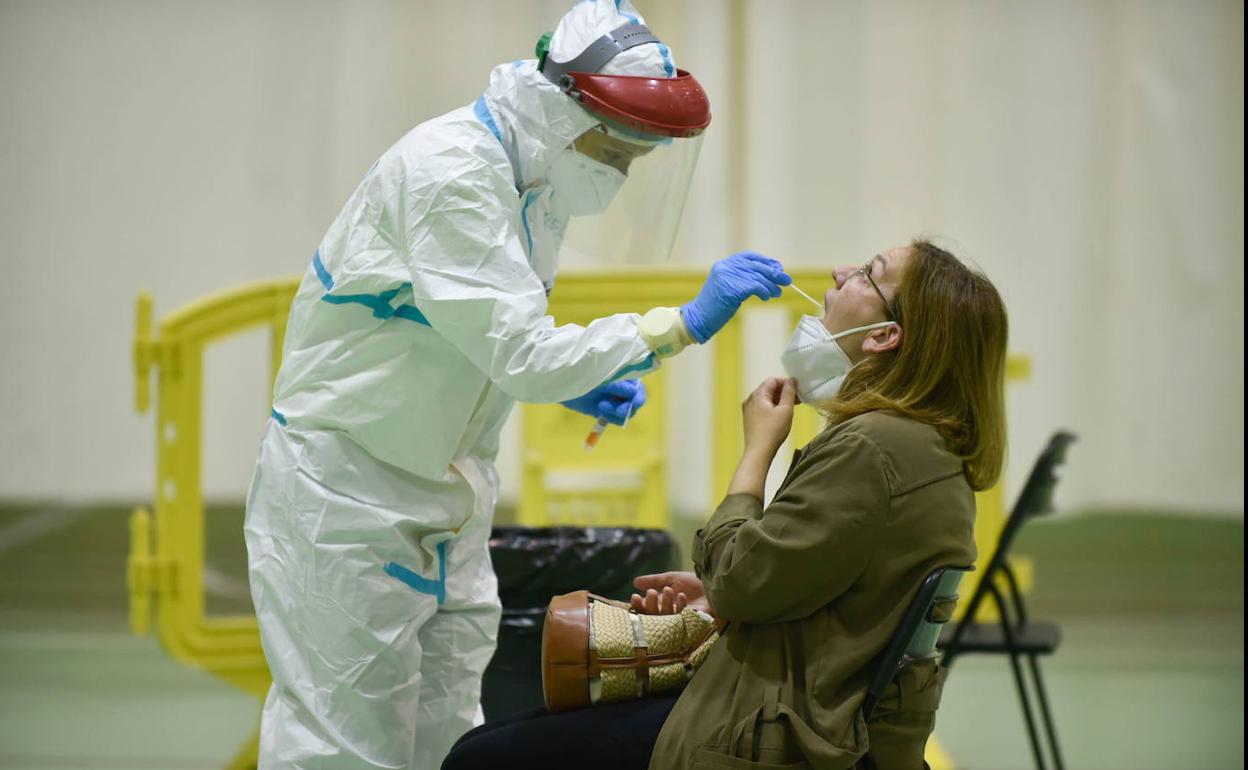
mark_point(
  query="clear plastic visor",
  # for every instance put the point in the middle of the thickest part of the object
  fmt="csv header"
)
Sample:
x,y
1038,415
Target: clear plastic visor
x,y
639,226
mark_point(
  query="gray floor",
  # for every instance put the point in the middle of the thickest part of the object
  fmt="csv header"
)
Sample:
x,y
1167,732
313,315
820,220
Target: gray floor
x,y
1149,675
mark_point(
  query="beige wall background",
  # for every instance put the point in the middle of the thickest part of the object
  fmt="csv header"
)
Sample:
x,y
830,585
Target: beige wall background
x,y
1088,156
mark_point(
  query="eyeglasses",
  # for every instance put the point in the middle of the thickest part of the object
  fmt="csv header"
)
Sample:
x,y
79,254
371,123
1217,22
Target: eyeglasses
x,y
865,272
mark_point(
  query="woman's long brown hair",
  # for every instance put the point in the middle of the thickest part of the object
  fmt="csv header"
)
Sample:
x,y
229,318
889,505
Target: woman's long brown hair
x,y
949,371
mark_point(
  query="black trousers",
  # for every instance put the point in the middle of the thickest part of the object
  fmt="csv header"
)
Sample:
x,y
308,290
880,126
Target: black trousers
x,y
616,736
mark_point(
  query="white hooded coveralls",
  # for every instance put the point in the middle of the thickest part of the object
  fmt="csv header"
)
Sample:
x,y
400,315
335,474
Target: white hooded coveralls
x,y
420,322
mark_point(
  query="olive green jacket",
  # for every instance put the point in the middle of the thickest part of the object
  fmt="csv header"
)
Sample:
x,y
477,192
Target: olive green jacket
x,y
813,588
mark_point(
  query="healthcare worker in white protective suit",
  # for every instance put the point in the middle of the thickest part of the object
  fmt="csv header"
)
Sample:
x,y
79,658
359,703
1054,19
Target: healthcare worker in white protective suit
x,y
421,320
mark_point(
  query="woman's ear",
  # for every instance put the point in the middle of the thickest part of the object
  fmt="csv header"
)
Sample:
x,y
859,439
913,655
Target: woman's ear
x,y
882,340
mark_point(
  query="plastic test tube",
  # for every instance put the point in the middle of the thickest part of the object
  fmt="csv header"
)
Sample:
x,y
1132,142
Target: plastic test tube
x,y
600,427
595,433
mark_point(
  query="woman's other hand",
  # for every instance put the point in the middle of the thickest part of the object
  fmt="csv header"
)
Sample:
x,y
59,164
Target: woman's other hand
x,y
667,593
768,415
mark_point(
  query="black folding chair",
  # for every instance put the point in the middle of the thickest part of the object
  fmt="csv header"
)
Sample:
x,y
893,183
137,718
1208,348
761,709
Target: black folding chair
x,y
1015,634
915,638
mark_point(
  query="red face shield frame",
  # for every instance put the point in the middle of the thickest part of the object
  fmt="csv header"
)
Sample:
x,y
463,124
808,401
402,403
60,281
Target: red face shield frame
x,y
660,107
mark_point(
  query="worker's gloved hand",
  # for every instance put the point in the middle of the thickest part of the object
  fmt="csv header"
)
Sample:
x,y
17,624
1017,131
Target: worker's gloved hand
x,y
731,282
614,402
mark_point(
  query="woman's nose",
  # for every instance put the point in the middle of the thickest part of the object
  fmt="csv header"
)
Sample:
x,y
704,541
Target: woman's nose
x,y
841,275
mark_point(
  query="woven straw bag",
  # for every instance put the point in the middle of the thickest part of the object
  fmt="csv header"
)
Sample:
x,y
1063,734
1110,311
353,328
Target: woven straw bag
x,y
595,650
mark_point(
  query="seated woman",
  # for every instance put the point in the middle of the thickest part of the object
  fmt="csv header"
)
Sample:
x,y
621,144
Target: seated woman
x,y
908,365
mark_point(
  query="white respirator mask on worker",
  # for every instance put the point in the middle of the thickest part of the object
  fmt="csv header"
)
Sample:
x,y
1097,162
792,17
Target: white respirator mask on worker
x,y
815,359
583,185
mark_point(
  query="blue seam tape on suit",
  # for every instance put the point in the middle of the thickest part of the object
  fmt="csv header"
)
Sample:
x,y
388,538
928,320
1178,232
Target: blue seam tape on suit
x,y
379,303
637,367
524,219
326,279
482,111
435,588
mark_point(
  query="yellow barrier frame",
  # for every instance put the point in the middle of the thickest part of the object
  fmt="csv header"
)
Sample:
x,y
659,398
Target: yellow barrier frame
x,y
167,550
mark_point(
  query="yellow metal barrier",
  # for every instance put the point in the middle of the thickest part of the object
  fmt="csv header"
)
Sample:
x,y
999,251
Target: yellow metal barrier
x,y
171,564
622,482
167,550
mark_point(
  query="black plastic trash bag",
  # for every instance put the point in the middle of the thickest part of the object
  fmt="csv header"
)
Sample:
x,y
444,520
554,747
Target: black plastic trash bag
x,y
534,565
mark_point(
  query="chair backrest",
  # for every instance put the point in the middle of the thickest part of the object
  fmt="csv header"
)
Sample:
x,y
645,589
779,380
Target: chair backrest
x,y
918,631
1036,499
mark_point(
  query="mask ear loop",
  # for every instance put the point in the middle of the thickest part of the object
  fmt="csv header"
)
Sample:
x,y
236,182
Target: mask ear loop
x,y
867,328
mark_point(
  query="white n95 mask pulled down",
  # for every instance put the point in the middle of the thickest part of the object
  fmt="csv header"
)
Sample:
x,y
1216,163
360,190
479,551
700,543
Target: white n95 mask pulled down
x,y
584,185
815,359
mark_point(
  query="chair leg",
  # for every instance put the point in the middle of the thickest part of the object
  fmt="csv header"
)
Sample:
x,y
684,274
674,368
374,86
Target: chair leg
x,y
1049,727
1027,715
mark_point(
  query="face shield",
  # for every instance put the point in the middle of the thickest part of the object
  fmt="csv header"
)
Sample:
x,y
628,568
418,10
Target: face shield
x,y
624,182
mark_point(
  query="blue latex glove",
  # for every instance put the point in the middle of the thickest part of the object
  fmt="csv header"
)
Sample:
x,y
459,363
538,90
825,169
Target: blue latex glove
x,y
731,282
613,402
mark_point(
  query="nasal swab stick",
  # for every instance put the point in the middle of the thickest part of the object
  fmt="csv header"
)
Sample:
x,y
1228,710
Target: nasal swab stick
x,y
814,301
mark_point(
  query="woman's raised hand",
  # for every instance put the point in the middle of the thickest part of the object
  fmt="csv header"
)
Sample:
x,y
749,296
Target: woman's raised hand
x,y
768,415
